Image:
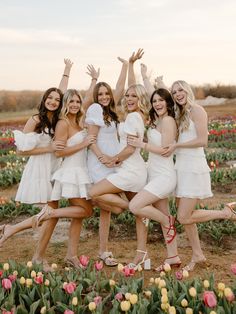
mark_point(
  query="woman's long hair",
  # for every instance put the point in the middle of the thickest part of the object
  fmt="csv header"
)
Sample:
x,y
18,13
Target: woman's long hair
x,y
109,113
44,124
65,107
183,112
166,95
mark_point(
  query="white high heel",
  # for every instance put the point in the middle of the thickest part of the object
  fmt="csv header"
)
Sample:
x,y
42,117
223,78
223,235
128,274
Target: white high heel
x,y
144,263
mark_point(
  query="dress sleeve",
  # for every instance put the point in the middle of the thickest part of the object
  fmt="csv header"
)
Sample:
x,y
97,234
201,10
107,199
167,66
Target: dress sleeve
x,y
25,141
94,115
133,124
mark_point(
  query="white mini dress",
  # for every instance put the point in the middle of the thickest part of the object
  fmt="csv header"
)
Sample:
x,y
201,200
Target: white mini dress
x,y
193,173
72,179
161,172
35,186
132,174
107,141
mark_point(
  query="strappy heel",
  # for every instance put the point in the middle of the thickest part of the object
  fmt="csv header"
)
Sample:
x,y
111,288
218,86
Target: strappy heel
x,y
46,211
171,230
145,263
73,261
172,265
231,206
108,259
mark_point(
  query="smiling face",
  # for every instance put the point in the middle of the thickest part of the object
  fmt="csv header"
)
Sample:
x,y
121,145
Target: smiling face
x,y
104,96
179,94
131,100
159,105
52,102
74,105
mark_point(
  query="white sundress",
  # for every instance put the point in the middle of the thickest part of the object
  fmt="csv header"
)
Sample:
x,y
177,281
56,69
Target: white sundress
x,y
72,179
161,172
35,186
193,173
132,174
107,141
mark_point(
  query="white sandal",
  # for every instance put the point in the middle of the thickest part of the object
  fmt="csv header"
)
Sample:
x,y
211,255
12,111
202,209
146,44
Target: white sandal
x,y
108,259
45,212
145,262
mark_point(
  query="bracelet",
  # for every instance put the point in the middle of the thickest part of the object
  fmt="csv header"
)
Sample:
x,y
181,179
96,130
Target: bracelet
x,y
94,78
65,75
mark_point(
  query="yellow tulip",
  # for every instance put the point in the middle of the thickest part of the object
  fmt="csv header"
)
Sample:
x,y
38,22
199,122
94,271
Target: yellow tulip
x,y
92,306
184,303
43,310
15,272
185,274
164,299
120,267
74,301
221,286
172,310
228,292
148,293
167,268
125,306
6,266
47,282
29,264
54,266
162,283
133,299
189,310
192,292
127,295
206,284
29,282
33,274
163,291
22,280
151,280
112,282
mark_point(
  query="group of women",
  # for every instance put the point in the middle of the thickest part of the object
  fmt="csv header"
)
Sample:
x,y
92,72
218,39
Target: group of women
x,y
88,151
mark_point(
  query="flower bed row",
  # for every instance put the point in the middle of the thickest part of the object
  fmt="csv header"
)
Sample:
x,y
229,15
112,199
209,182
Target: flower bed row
x,y
27,289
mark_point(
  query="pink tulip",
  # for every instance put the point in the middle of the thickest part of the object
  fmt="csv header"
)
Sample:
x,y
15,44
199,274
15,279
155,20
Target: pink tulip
x,y
119,296
6,283
209,298
233,268
1,272
70,287
38,280
84,260
128,271
6,312
98,265
68,312
97,300
179,275
12,277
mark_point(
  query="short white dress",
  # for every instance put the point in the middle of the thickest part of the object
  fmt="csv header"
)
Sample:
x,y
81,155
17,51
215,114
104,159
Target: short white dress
x,y
35,186
71,180
161,172
193,173
107,141
132,174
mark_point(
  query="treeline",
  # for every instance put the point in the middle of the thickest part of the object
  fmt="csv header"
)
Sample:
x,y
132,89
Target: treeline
x,y
28,99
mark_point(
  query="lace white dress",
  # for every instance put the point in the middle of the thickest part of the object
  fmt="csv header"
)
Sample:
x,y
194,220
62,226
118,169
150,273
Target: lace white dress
x,y
72,179
193,173
35,185
161,172
132,174
107,141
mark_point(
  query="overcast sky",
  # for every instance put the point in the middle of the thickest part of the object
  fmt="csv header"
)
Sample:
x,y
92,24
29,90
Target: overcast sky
x,y
182,39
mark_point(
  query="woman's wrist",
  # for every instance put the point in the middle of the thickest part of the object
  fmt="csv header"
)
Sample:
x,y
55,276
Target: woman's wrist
x,y
94,79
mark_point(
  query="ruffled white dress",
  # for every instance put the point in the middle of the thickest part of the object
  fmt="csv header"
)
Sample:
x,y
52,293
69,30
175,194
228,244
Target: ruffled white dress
x,y
161,172
193,173
107,141
132,174
35,185
72,179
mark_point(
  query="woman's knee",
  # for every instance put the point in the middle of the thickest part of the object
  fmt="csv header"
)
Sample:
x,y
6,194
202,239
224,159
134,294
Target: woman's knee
x,y
133,207
182,219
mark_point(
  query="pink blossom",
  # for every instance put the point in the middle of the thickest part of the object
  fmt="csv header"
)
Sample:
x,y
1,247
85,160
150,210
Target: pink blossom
x,y
128,271
12,277
84,260
98,265
68,312
209,298
38,280
179,275
6,312
97,300
6,283
233,268
1,272
70,287
119,296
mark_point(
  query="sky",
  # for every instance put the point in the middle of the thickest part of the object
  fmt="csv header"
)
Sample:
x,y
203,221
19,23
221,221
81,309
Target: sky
x,y
182,39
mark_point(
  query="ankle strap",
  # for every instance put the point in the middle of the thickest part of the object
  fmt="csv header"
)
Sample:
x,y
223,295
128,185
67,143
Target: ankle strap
x,y
140,251
172,256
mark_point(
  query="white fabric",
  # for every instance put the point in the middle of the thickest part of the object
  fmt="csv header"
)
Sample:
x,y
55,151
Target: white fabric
x,y
132,174
35,185
193,173
72,179
107,142
161,172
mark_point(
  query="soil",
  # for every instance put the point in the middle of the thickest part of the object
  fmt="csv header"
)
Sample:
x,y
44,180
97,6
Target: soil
x,y
21,246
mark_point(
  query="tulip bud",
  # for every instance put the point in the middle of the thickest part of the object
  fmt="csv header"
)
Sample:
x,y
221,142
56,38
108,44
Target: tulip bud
x,y
221,286
185,274
74,301
148,293
184,303
206,284
29,282
125,306
6,266
47,282
92,306
151,280
162,274
22,280
172,310
120,267
157,280
167,267
112,282
29,264
164,299
162,283
133,299
43,310
192,292
33,274
15,272
163,291
189,310
54,266
127,295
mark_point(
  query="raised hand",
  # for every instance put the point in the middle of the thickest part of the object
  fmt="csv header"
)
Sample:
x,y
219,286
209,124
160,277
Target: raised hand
x,y
123,60
91,71
68,63
136,55
143,70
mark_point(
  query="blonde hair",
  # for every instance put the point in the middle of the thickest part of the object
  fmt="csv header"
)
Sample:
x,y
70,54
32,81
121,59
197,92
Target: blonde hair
x,y
143,100
65,105
183,112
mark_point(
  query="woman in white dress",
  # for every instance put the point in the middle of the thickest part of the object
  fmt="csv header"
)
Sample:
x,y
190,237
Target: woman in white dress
x,y
102,121
130,177
193,173
152,201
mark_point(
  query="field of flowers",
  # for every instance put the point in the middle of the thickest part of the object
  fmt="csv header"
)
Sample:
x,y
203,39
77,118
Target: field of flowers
x,y
27,289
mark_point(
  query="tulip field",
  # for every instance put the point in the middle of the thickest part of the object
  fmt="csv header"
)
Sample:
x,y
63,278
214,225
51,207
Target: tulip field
x,y
95,288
